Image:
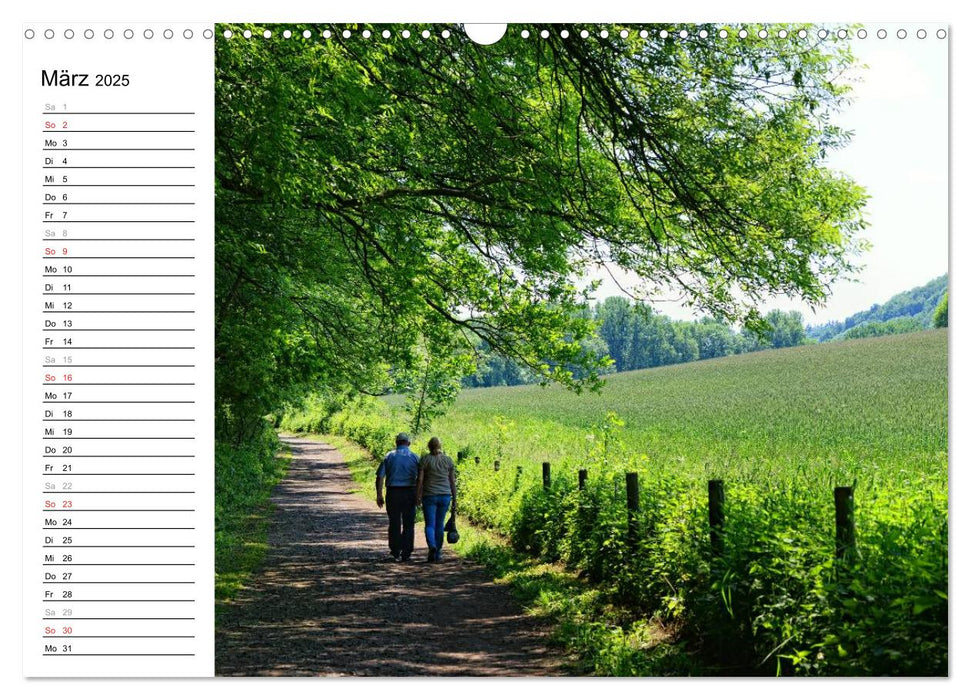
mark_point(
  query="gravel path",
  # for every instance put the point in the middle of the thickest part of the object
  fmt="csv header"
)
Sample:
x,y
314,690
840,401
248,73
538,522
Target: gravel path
x,y
328,600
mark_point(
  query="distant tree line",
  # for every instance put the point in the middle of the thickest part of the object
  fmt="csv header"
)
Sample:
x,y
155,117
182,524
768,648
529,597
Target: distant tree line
x,y
635,336
871,329
902,313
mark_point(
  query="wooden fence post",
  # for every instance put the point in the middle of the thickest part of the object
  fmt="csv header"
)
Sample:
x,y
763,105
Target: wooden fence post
x,y
845,522
716,514
495,465
546,475
582,479
633,505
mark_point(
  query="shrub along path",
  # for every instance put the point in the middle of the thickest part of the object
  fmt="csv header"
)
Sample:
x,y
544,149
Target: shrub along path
x,y
329,601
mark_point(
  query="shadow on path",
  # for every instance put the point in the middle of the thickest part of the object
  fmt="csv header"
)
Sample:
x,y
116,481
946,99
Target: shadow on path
x,y
328,600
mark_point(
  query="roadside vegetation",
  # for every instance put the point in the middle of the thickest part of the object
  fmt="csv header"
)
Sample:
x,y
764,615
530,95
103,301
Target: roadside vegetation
x,y
781,429
244,479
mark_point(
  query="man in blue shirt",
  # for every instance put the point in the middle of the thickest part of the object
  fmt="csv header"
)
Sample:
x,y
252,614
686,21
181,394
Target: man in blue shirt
x,y
399,469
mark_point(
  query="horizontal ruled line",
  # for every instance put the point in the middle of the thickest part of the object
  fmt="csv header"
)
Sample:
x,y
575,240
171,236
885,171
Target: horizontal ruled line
x,y
73,275
114,330
119,402
119,510
113,456
124,311
119,167
118,420
119,347
119,546
125,583
112,636
166,184
119,294
118,257
121,311
72,491
129,474
113,114
61,240
73,564
118,149
73,654
108,204
118,131
119,384
115,437
119,528
74,365
119,221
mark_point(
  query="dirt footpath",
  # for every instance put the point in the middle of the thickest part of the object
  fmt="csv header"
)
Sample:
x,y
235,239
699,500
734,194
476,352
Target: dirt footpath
x,y
329,601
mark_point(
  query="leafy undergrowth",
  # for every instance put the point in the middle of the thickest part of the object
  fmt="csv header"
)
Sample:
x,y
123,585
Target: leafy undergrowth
x,y
244,479
599,637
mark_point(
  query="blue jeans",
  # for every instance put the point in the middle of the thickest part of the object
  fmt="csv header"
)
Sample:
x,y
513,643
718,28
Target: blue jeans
x,y
435,509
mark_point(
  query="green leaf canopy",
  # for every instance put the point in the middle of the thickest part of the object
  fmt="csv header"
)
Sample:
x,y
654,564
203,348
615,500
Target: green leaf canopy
x,y
372,192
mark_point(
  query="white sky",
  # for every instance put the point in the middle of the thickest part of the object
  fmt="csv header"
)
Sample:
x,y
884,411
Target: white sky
x,y
899,153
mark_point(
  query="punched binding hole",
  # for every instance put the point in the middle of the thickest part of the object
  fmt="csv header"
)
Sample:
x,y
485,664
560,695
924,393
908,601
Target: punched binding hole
x,y
485,34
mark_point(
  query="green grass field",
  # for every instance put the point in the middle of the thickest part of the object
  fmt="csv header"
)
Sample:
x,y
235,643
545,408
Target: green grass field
x,y
878,403
781,428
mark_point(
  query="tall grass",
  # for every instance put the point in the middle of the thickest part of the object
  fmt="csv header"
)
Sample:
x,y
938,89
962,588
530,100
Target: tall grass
x,y
782,429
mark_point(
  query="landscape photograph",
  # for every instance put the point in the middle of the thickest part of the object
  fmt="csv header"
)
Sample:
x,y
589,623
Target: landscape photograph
x,y
590,350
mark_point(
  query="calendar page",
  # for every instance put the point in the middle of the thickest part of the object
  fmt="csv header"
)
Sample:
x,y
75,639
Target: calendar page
x,y
527,349
118,441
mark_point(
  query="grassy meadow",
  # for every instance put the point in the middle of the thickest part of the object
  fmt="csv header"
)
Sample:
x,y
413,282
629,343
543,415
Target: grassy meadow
x,y
781,428
876,404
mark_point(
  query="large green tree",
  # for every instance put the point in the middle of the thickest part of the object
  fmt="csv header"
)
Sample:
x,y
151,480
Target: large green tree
x,y
377,196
